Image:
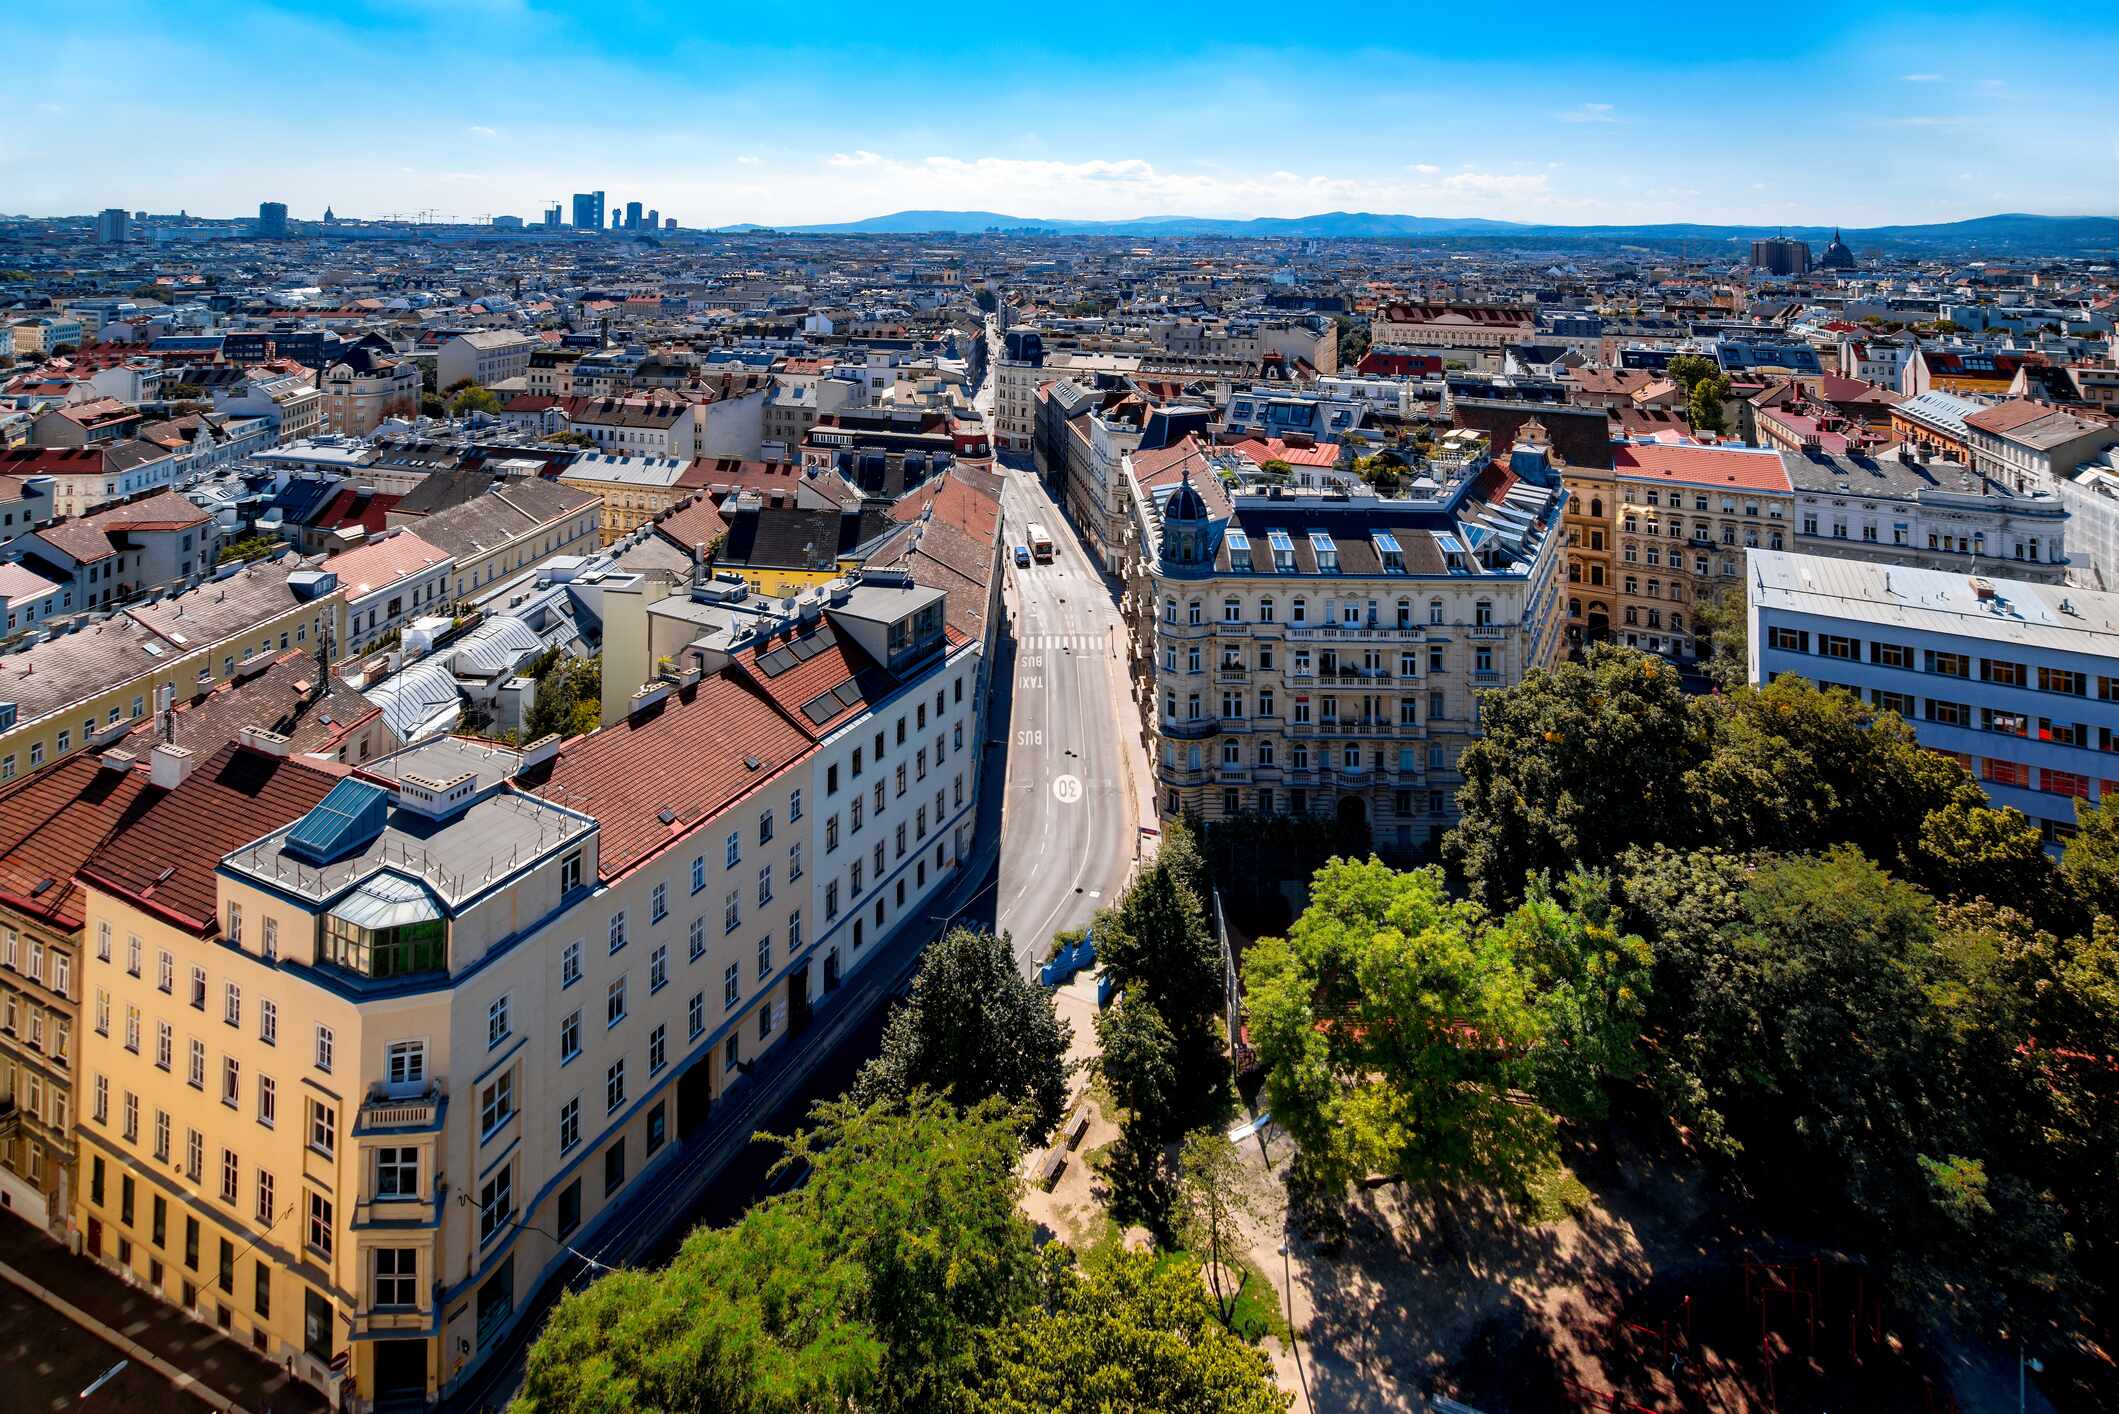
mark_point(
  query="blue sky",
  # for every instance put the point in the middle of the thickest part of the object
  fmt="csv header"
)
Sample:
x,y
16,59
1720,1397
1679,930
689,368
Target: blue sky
x,y
824,111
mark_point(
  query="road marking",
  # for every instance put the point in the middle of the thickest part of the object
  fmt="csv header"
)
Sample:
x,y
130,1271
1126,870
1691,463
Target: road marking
x,y
1067,789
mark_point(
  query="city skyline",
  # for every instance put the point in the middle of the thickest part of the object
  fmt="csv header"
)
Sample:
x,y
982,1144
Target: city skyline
x,y
1896,116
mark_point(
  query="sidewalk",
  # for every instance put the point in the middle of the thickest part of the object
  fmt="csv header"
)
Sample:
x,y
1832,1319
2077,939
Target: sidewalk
x,y
191,1356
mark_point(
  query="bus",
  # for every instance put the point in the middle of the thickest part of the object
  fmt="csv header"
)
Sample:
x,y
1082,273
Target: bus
x,y
1040,544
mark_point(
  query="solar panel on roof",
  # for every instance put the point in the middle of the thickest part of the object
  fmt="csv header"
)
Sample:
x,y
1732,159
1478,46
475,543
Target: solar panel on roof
x,y
777,662
849,692
821,709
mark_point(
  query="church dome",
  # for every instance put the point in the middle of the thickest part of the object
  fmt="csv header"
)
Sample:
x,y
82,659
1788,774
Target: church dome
x,y
1836,256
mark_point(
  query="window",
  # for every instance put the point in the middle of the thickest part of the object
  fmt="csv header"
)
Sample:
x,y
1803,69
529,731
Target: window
x,y
197,1073
765,957
496,1022
731,985
698,872
614,1003
659,906
569,965
695,1015
731,912
570,873
272,938
733,852
658,1049
496,1203
396,1276
496,1104
695,941
831,833
198,984
397,1172
268,1022
232,1004
614,1167
614,1087
268,1101
132,1117
323,1127
264,1197
231,1081
194,1159
162,1136
231,1176
765,1021
323,1049
617,930
165,974
794,862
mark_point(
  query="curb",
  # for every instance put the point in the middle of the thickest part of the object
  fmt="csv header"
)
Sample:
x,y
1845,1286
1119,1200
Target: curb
x,y
187,1384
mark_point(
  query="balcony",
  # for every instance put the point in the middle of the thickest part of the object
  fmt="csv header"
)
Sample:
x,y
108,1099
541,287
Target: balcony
x,y
1190,728
384,1113
1226,674
1487,633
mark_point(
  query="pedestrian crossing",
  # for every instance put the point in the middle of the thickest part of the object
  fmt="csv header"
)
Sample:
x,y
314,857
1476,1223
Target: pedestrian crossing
x,y
1053,642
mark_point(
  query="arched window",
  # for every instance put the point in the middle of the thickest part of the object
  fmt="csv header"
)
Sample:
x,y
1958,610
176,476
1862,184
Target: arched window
x,y
1596,508
1655,589
1574,608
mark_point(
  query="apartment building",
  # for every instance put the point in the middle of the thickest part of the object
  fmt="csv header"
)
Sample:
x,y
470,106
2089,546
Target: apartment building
x,y
1901,510
50,823
655,426
159,541
1323,653
1026,367
83,687
363,388
2032,446
1684,516
632,489
514,525
1454,326
387,582
85,478
2016,680
485,356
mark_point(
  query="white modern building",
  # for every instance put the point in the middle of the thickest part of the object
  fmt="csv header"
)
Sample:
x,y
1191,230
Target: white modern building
x,y
2018,681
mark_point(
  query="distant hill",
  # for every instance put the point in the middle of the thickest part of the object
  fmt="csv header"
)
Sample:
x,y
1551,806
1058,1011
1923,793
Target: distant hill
x,y
2010,233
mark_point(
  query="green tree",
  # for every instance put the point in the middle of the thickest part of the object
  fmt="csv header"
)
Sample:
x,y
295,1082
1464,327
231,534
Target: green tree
x,y
467,400
1705,404
874,1285
1722,618
569,697
433,405
1216,1198
572,439
1574,765
1397,1033
2091,864
1123,1332
1137,1059
1966,851
1157,944
974,1028
1793,766
1353,340
1591,982
1686,370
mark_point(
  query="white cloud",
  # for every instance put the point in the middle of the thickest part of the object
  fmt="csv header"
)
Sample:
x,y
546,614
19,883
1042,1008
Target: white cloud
x,y
746,160
859,158
1921,78
478,130
1425,169
1589,113
1489,185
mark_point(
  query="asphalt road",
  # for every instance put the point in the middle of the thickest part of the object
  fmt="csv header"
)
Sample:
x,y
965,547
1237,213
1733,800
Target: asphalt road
x,y
46,1361
1071,828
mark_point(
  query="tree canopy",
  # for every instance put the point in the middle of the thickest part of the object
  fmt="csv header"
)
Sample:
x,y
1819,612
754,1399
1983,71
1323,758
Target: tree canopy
x,y
1401,1033
974,1028
872,1285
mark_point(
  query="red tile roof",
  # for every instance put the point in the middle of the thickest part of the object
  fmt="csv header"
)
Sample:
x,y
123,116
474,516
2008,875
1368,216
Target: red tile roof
x,y
51,822
165,862
381,563
1265,449
687,756
696,523
1701,466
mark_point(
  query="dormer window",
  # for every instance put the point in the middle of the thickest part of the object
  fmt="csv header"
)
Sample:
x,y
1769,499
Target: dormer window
x,y
1387,550
1283,551
1326,550
1239,552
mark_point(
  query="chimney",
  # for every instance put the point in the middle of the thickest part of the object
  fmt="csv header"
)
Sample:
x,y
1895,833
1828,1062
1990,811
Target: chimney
x,y
258,739
169,765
